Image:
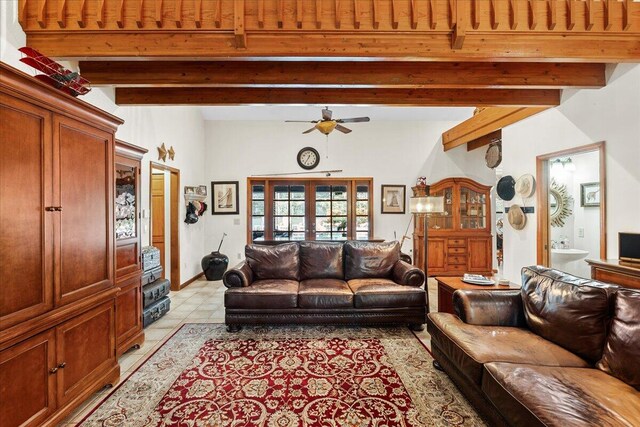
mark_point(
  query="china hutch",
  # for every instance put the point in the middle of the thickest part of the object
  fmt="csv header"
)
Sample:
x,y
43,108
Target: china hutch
x,y
459,239
57,246
127,228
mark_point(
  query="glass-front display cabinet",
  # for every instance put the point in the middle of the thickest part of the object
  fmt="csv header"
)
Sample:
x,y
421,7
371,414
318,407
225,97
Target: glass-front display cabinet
x,y
127,232
459,238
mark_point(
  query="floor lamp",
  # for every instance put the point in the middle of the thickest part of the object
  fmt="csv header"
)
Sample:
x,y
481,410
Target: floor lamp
x,y
423,206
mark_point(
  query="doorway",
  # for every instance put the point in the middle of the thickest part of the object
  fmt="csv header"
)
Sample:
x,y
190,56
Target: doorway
x,y
164,203
572,208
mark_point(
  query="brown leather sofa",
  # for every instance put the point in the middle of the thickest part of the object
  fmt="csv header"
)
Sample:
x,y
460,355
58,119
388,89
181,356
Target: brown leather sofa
x,y
563,351
354,283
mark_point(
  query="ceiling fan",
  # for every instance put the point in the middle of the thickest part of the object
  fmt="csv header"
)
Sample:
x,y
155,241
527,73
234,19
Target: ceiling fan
x,y
326,125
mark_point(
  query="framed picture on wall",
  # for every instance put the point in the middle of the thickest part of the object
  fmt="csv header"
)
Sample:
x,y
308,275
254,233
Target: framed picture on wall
x,y
590,194
224,198
393,199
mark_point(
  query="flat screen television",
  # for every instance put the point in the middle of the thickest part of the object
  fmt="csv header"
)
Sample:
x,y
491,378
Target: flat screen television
x,y
629,247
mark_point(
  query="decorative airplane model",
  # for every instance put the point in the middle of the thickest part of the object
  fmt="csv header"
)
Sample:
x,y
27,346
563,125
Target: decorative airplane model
x,y
55,74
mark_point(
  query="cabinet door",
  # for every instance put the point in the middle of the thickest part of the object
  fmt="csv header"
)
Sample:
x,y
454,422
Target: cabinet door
x,y
436,255
128,310
85,171
85,346
27,388
479,256
26,229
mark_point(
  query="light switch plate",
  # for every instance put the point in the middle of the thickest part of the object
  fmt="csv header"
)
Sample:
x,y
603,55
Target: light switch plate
x,y
580,232
236,221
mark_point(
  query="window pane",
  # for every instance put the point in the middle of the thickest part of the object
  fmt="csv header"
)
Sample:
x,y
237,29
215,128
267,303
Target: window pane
x,y
258,235
362,192
258,192
323,192
339,236
362,223
297,236
339,208
281,235
322,208
281,208
281,223
339,192
297,192
258,207
297,223
281,192
339,224
257,223
323,224
362,208
323,236
362,235
297,208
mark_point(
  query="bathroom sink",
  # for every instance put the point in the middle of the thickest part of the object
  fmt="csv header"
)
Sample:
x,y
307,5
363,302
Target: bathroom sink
x,y
566,255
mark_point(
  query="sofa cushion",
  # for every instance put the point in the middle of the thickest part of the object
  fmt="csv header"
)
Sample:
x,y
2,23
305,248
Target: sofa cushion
x,y
569,311
471,346
263,294
274,262
365,260
321,260
324,293
547,396
385,293
621,356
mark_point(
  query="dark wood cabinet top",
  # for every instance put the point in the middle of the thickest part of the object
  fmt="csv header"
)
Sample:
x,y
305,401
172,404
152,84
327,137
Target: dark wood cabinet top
x,y
616,265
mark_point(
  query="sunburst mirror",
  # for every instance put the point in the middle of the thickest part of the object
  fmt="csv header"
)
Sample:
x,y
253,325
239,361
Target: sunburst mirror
x,y
560,204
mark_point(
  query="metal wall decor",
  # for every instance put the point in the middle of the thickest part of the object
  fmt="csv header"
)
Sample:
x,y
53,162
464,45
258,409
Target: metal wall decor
x,y
162,153
560,204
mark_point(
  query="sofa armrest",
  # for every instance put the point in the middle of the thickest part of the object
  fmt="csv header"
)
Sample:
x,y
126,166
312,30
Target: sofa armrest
x,y
407,274
239,276
489,308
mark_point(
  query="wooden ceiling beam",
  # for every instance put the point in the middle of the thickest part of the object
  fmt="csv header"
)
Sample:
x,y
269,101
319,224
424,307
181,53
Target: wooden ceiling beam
x,y
336,96
478,75
487,121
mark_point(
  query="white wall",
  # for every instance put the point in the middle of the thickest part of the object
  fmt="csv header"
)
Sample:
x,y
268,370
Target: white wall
x,y
148,127
391,152
610,114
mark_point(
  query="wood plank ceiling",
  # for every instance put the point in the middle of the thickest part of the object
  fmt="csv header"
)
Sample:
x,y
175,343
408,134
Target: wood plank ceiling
x,y
493,53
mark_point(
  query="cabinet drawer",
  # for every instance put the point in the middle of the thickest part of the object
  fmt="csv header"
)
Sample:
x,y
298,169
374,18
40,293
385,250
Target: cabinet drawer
x,y
457,250
457,242
457,260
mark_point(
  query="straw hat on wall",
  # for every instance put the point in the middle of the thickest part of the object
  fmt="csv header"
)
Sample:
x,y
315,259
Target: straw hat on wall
x,y
517,218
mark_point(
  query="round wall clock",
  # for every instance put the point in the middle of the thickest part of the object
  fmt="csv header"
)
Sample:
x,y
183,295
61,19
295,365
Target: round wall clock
x,y
308,158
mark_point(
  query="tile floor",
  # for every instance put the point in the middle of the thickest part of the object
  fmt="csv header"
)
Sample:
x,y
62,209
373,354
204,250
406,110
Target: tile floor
x,y
200,302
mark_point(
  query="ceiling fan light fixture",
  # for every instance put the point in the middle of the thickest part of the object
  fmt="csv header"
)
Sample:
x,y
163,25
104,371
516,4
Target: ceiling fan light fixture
x,y
326,127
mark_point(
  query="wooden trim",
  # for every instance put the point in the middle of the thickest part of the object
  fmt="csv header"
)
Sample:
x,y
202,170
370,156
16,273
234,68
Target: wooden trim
x,y
484,123
174,200
542,178
417,97
484,140
190,281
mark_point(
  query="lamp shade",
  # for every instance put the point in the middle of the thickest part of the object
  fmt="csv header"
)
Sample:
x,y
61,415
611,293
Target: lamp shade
x,y
426,204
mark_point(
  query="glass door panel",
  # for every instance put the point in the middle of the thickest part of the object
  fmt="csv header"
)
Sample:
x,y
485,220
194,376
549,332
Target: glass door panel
x,y
331,211
257,212
443,220
362,210
473,213
126,218
289,212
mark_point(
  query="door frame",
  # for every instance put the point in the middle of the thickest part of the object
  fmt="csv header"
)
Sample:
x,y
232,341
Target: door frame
x,y
174,238
542,178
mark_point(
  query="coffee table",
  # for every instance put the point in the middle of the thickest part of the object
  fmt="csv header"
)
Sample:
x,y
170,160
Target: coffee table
x,y
448,285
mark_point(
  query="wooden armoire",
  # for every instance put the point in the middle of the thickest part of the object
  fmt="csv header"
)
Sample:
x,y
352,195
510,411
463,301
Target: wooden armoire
x,y
128,247
57,311
459,239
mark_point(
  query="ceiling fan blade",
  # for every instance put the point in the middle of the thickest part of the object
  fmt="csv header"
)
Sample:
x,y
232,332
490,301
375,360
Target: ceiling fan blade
x,y
354,120
301,121
309,131
326,114
343,129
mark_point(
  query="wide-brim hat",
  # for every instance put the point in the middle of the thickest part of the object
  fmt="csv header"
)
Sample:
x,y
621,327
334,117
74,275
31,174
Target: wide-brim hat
x,y
506,187
517,218
526,186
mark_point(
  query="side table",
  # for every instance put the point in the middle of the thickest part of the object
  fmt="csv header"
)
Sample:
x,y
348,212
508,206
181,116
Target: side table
x,y
448,285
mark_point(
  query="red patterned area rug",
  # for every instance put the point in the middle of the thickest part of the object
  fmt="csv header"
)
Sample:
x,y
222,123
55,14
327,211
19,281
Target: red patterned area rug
x,y
286,377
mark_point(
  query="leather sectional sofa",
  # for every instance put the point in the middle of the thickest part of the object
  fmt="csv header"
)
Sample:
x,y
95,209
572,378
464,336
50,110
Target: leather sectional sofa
x,y
353,283
563,351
